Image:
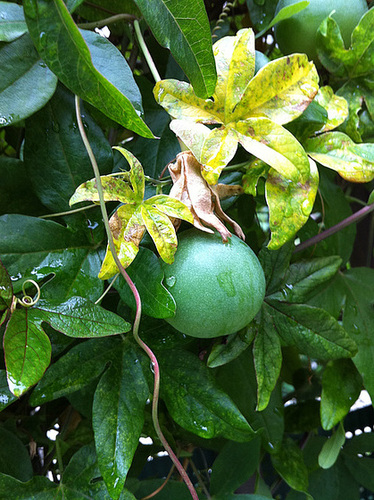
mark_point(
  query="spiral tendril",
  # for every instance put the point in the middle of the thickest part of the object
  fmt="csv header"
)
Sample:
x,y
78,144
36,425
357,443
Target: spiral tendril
x,y
227,6
26,300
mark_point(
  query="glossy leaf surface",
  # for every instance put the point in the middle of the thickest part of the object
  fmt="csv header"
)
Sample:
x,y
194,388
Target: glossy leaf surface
x,y
33,83
6,289
12,22
27,352
289,463
53,31
183,27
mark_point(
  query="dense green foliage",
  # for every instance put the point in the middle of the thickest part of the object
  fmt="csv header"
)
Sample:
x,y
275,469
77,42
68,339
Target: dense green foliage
x,y
261,408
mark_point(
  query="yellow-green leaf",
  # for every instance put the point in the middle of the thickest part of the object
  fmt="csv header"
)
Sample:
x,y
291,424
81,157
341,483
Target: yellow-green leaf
x,y
212,148
290,204
136,174
281,90
127,230
253,172
223,50
335,150
274,145
241,70
336,107
170,206
162,232
114,188
180,101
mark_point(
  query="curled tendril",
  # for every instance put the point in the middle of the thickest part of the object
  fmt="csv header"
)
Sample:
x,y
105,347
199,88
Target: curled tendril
x,y
26,300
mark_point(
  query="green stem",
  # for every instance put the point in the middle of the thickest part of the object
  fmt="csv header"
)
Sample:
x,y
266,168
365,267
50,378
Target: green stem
x,y
59,456
68,212
108,20
134,290
146,52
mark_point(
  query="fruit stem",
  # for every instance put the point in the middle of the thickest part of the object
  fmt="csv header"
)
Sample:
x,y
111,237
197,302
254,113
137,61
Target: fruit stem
x,y
134,290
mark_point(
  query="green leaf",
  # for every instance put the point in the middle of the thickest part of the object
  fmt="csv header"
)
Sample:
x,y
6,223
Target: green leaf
x,y
147,275
54,155
80,65
284,13
361,444
296,85
304,277
313,331
331,449
274,145
22,73
12,21
341,386
335,150
234,465
267,357
358,320
184,29
75,369
79,318
353,62
362,469
6,289
289,464
36,248
118,415
14,457
6,397
195,401
231,348
275,264
38,488
290,204
27,352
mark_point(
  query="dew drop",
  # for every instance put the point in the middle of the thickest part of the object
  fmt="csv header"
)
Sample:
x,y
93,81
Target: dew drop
x,y
171,280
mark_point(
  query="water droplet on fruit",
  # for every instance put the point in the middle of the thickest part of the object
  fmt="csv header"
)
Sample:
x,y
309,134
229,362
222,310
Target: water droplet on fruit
x,y
170,281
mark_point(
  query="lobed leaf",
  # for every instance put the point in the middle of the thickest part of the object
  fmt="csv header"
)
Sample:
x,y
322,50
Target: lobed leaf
x,y
335,150
27,352
280,91
23,74
290,204
170,206
312,330
79,318
183,27
114,189
80,68
180,101
136,175
274,145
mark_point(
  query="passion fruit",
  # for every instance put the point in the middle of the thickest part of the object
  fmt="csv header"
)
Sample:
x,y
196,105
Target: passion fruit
x,y
218,287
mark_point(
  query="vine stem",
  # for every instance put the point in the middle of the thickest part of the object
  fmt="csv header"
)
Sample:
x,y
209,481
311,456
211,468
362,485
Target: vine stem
x,y
146,52
134,290
109,20
360,214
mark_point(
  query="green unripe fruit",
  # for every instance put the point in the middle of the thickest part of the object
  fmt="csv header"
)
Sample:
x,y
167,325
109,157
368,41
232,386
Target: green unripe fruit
x,y
298,33
218,287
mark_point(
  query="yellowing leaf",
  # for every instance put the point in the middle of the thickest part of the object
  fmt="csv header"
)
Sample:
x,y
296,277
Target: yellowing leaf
x,y
136,174
290,204
281,90
254,171
162,232
241,70
170,206
180,101
336,107
115,189
335,150
274,145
